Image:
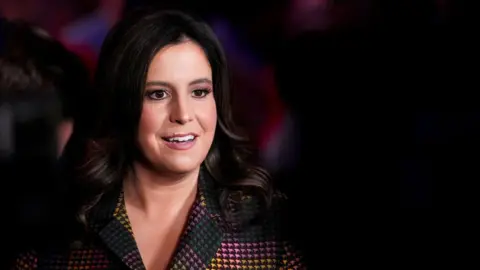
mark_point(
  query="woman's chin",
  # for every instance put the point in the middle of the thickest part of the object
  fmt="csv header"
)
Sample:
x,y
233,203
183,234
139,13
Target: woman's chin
x,y
179,166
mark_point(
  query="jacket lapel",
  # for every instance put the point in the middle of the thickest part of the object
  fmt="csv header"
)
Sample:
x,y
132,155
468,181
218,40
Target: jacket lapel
x,y
203,232
114,229
197,246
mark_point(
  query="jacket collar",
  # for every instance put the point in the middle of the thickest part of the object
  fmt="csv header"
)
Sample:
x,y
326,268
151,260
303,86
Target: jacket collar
x,y
200,239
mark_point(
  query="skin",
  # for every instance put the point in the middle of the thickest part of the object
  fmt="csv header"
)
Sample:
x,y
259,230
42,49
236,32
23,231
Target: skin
x,y
178,99
64,131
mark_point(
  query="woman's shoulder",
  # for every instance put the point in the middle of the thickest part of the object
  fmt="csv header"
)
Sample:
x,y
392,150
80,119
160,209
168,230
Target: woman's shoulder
x,y
267,235
268,214
253,214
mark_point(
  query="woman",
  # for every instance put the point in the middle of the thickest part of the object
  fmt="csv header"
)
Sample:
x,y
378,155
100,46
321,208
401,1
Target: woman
x,y
163,180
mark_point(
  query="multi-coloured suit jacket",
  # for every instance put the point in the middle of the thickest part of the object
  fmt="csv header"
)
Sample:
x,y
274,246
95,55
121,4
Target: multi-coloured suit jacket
x,y
206,243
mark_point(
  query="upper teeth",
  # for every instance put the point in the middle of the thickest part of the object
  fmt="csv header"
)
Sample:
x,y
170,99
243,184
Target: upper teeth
x,y
181,139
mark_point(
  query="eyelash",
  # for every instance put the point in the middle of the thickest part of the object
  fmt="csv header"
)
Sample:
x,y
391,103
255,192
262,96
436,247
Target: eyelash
x,y
150,94
204,91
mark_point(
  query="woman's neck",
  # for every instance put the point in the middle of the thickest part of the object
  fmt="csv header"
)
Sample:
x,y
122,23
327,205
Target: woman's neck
x,y
157,194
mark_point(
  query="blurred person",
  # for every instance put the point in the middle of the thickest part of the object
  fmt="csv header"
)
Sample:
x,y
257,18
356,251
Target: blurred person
x,y
163,178
31,61
43,88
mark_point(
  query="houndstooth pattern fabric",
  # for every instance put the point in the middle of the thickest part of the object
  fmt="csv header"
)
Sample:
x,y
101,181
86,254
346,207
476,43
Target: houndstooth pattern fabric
x,y
206,243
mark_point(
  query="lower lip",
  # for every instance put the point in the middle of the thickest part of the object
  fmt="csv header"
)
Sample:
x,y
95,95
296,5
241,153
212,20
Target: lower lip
x,y
180,145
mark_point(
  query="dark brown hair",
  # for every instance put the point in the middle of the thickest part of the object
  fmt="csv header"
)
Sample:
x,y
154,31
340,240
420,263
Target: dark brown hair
x,y
101,160
32,62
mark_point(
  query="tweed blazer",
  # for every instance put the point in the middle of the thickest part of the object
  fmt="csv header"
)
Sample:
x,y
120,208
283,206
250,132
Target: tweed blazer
x,y
207,242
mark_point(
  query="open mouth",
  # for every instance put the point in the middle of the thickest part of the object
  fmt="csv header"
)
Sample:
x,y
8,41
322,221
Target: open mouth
x,y
180,139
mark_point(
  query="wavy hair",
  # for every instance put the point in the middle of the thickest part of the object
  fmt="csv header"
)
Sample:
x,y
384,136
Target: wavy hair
x,y
100,160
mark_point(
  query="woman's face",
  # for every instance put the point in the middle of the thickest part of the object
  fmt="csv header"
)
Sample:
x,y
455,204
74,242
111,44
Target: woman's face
x,y
179,113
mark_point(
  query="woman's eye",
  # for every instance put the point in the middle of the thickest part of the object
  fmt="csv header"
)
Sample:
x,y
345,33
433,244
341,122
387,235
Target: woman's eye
x,y
200,93
157,94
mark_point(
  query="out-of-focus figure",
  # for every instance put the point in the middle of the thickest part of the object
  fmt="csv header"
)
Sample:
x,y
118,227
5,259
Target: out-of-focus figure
x,y
33,63
44,90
